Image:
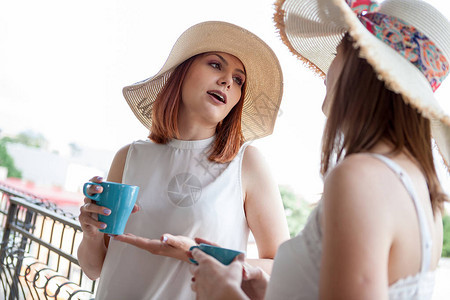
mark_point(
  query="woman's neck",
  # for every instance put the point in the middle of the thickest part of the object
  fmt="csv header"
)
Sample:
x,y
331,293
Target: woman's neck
x,y
386,148
382,147
190,131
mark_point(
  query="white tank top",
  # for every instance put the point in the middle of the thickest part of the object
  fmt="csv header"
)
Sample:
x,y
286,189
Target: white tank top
x,y
296,269
181,193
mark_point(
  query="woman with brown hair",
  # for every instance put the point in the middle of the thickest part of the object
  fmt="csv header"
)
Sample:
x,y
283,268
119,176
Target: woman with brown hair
x,y
198,176
377,231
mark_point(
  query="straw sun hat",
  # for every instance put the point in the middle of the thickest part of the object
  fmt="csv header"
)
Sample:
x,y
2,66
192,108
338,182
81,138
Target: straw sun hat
x,y
407,42
264,80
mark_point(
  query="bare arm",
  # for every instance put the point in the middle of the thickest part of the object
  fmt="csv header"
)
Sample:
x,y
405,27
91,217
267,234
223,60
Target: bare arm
x,y
263,207
357,233
92,250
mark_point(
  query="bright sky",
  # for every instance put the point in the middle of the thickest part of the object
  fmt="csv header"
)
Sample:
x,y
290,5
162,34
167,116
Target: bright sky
x,y
64,63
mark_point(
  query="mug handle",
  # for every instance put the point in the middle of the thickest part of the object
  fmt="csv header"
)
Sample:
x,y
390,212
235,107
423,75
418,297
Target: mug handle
x,y
192,260
93,197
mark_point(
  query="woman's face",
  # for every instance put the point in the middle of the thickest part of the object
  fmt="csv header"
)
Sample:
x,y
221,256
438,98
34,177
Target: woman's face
x,y
332,75
212,87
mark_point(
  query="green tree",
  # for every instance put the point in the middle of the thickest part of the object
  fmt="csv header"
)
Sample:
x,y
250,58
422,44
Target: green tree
x,y
296,209
28,138
32,139
446,244
7,161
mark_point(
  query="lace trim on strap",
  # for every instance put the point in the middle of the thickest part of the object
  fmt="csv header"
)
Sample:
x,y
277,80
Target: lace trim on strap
x,y
313,236
419,286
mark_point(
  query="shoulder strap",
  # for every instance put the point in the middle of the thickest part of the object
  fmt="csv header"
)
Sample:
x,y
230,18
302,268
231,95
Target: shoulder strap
x,y
426,240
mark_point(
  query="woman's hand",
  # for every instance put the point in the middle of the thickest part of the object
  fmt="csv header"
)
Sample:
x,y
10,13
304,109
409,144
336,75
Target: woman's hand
x,y
169,245
202,241
213,280
254,281
89,212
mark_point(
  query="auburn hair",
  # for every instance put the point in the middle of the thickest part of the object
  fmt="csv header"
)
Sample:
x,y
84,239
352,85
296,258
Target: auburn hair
x,y
363,112
229,137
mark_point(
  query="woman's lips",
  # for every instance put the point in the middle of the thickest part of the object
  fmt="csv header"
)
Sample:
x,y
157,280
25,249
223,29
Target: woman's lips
x,y
218,95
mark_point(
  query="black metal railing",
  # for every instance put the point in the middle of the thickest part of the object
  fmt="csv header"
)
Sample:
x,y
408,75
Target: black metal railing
x,y
38,250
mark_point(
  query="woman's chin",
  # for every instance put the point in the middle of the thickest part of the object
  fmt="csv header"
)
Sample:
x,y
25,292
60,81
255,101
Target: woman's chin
x,y
214,118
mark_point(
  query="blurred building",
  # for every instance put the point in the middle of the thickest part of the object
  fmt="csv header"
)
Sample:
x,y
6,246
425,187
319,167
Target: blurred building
x,y
50,169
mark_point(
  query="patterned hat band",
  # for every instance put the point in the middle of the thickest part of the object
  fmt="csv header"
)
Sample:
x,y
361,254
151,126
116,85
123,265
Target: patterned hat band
x,y
405,40
411,44
360,7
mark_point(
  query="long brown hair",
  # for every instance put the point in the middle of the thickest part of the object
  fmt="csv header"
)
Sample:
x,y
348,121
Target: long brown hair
x,y
363,112
229,137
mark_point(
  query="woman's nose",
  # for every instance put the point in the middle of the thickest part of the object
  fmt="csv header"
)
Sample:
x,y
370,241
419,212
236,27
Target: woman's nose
x,y
225,80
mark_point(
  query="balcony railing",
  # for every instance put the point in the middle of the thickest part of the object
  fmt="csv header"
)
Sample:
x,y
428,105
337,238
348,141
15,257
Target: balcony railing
x,y
38,250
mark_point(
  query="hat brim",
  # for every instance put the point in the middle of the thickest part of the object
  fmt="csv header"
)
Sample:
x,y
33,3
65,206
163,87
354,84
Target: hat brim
x,y
264,79
397,72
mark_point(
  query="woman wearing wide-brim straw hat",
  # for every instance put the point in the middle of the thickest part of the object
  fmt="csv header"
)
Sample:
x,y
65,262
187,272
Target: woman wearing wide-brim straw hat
x,y
220,88
377,231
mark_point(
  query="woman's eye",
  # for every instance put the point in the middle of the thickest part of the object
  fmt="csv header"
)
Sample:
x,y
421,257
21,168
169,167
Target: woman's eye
x,y
238,80
215,65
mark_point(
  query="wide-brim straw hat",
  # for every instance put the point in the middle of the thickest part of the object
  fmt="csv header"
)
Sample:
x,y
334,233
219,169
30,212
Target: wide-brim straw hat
x,y
312,30
264,79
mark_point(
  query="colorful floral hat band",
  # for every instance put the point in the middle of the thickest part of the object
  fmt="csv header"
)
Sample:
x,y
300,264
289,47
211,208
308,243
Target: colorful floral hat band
x,y
411,44
405,39
361,7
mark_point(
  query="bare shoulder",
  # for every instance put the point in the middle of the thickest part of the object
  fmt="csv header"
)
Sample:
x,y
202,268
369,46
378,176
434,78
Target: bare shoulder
x,y
360,181
255,170
122,152
118,164
252,155
358,203
253,162
358,169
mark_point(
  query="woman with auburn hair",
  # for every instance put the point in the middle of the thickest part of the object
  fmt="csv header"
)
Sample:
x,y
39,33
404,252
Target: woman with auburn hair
x,y
198,175
377,231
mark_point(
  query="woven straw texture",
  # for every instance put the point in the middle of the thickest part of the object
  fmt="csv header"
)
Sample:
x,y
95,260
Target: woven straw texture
x,y
312,30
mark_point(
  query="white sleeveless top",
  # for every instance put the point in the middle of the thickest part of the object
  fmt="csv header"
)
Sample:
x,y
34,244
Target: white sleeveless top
x,y
181,193
295,274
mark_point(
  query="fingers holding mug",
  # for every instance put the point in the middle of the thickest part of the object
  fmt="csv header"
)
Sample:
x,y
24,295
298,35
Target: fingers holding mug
x,y
97,179
90,211
112,203
86,221
95,209
93,188
89,218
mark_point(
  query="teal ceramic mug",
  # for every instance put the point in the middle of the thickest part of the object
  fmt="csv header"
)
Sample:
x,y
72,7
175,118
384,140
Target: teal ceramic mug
x,y
224,255
119,198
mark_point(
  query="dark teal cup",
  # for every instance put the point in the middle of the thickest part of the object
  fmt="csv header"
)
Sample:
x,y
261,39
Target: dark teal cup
x,y
119,198
224,255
